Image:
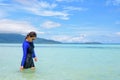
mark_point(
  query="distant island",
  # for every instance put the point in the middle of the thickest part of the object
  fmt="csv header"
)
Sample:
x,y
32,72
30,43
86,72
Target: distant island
x,y
92,43
18,38
85,43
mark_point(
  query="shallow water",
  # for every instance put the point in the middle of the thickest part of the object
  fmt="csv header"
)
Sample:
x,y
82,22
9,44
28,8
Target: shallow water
x,y
63,62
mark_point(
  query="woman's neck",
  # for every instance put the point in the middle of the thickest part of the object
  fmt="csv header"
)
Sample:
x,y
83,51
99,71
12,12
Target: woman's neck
x,y
29,40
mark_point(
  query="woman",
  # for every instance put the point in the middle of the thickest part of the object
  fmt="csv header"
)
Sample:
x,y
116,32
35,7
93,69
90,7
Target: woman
x,y
28,52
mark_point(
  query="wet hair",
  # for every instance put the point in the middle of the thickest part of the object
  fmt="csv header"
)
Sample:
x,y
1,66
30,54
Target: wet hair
x,y
31,34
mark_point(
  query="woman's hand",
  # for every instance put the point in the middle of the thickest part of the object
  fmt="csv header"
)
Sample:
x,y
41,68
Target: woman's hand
x,y
21,68
35,59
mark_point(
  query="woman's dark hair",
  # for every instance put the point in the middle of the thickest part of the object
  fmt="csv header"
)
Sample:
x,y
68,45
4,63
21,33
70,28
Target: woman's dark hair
x,y
31,34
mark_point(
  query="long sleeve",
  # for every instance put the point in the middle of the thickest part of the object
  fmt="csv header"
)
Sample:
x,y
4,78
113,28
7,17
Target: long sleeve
x,y
25,46
33,55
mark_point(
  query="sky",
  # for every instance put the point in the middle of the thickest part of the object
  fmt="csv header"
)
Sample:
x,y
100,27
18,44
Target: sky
x,y
75,21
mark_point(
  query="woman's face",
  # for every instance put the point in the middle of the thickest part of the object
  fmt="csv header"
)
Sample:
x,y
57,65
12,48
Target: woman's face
x,y
33,38
30,39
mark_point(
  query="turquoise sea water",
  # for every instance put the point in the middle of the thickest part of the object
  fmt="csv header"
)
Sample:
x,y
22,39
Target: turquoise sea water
x,y
63,62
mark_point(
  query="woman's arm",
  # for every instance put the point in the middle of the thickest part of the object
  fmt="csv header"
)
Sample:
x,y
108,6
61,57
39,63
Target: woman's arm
x,y
34,56
25,46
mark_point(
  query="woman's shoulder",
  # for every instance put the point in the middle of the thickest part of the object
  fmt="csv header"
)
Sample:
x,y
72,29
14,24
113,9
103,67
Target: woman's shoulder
x,y
25,43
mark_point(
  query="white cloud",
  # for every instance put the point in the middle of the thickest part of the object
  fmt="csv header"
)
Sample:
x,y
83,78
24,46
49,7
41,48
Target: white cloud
x,y
117,33
113,2
50,24
37,4
2,14
11,26
57,14
3,4
70,0
47,5
71,8
66,38
42,8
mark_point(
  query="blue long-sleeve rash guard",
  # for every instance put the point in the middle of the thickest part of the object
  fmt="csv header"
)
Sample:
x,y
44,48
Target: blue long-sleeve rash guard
x,y
25,47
